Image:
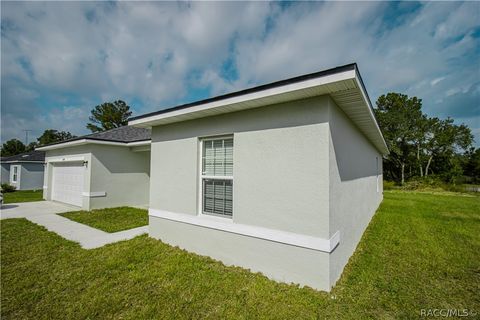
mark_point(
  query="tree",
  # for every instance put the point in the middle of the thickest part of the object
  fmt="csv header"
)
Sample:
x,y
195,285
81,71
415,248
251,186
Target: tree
x,y
52,136
471,164
109,115
12,147
444,139
399,117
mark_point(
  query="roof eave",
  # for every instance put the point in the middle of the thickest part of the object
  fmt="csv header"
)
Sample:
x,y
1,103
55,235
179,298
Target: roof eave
x,y
81,142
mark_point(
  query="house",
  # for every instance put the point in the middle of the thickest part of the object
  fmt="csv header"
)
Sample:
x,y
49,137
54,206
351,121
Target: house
x,y
282,178
24,171
104,169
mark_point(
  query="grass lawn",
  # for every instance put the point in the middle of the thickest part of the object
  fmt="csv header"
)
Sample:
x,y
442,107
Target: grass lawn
x,y
111,219
420,251
23,196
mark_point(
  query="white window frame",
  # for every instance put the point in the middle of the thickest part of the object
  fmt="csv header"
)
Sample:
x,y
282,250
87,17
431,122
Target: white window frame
x,y
15,176
201,177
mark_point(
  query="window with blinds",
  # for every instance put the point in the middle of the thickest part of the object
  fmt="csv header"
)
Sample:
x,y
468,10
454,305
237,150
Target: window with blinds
x,y
217,176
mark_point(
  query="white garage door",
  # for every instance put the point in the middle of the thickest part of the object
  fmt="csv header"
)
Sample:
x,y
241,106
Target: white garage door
x,y
67,183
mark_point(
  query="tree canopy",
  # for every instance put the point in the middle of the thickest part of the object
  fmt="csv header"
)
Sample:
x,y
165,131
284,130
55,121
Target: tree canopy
x,y
419,145
12,147
52,136
109,115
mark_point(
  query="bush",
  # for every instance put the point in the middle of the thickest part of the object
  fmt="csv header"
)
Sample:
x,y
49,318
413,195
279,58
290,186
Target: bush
x,y
7,188
388,185
421,183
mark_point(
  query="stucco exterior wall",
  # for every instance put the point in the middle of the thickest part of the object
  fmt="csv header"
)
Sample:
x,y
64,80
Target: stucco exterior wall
x,y
117,172
31,176
354,197
280,183
5,173
123,175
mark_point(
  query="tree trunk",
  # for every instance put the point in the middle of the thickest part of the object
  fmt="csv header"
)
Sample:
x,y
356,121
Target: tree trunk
x,y
403,173
418,160
428,165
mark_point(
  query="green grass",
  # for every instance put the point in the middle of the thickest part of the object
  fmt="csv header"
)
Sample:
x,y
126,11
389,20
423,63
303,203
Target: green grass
x,y
420,251
23,196
111,219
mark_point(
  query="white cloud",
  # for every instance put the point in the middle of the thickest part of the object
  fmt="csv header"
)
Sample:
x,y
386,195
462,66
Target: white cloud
x,y
154,52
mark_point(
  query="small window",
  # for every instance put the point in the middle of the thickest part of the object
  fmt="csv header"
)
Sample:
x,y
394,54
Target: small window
x,y
217,176
15,174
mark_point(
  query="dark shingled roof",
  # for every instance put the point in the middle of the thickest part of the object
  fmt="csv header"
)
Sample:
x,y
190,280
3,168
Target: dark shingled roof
x,y
27,156
124,134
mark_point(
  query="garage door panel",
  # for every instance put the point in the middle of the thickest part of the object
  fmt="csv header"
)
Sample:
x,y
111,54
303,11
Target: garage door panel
x,y
67,181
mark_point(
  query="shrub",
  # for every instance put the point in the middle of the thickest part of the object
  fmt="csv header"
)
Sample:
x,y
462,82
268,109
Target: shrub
x,y
388,185
7,188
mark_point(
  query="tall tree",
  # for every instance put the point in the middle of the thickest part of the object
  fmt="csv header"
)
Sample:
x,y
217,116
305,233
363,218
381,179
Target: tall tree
x,y
109,115
399,117
52,136
12,147
444,139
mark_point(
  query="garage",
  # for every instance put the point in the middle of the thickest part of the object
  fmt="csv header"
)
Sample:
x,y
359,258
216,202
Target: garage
x,y
67,182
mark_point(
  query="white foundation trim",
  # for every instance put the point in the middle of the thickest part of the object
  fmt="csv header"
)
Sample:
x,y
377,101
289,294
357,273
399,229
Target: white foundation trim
x,y
227,225
94,194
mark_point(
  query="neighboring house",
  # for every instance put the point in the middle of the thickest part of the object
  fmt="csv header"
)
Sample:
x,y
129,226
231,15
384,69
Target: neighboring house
x,y
282,178
24,171
105,169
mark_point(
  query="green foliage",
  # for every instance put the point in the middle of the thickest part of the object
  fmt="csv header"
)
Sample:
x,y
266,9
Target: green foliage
x,y
388,185
111,219
23,196
419,145
51,136
471,164
8,188
12,147
419,251
109,115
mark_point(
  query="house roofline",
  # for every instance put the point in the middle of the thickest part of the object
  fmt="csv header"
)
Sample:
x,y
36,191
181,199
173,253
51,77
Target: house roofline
x,y
347,67
85,141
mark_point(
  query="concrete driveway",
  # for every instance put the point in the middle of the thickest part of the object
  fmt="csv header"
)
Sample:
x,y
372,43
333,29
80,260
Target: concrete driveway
x,y
32,209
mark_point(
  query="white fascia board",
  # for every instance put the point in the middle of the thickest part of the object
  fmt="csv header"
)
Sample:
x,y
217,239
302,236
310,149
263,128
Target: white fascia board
x,y
21,161
341,76
90,141
383,148
227,225
139,143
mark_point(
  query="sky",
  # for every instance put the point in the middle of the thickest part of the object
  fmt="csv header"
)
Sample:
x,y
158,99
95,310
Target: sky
x,y
61,59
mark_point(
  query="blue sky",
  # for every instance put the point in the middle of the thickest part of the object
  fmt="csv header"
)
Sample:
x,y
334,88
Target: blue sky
x,y
61,59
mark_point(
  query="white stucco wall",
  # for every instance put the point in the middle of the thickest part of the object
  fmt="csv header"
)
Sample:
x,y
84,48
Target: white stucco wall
x,y
353,186
118,172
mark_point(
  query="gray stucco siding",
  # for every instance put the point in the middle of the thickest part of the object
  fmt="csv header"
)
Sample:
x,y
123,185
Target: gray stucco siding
x,y
280,161
280,262
5,173
123,175
353,186
31,176
120,175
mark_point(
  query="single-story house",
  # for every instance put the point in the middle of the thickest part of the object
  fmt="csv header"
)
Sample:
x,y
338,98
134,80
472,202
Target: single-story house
x,y
24,171
104,169
282,178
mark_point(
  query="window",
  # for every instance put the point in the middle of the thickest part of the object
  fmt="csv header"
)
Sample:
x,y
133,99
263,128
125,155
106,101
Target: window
x,y
15,173
378,175
217,176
